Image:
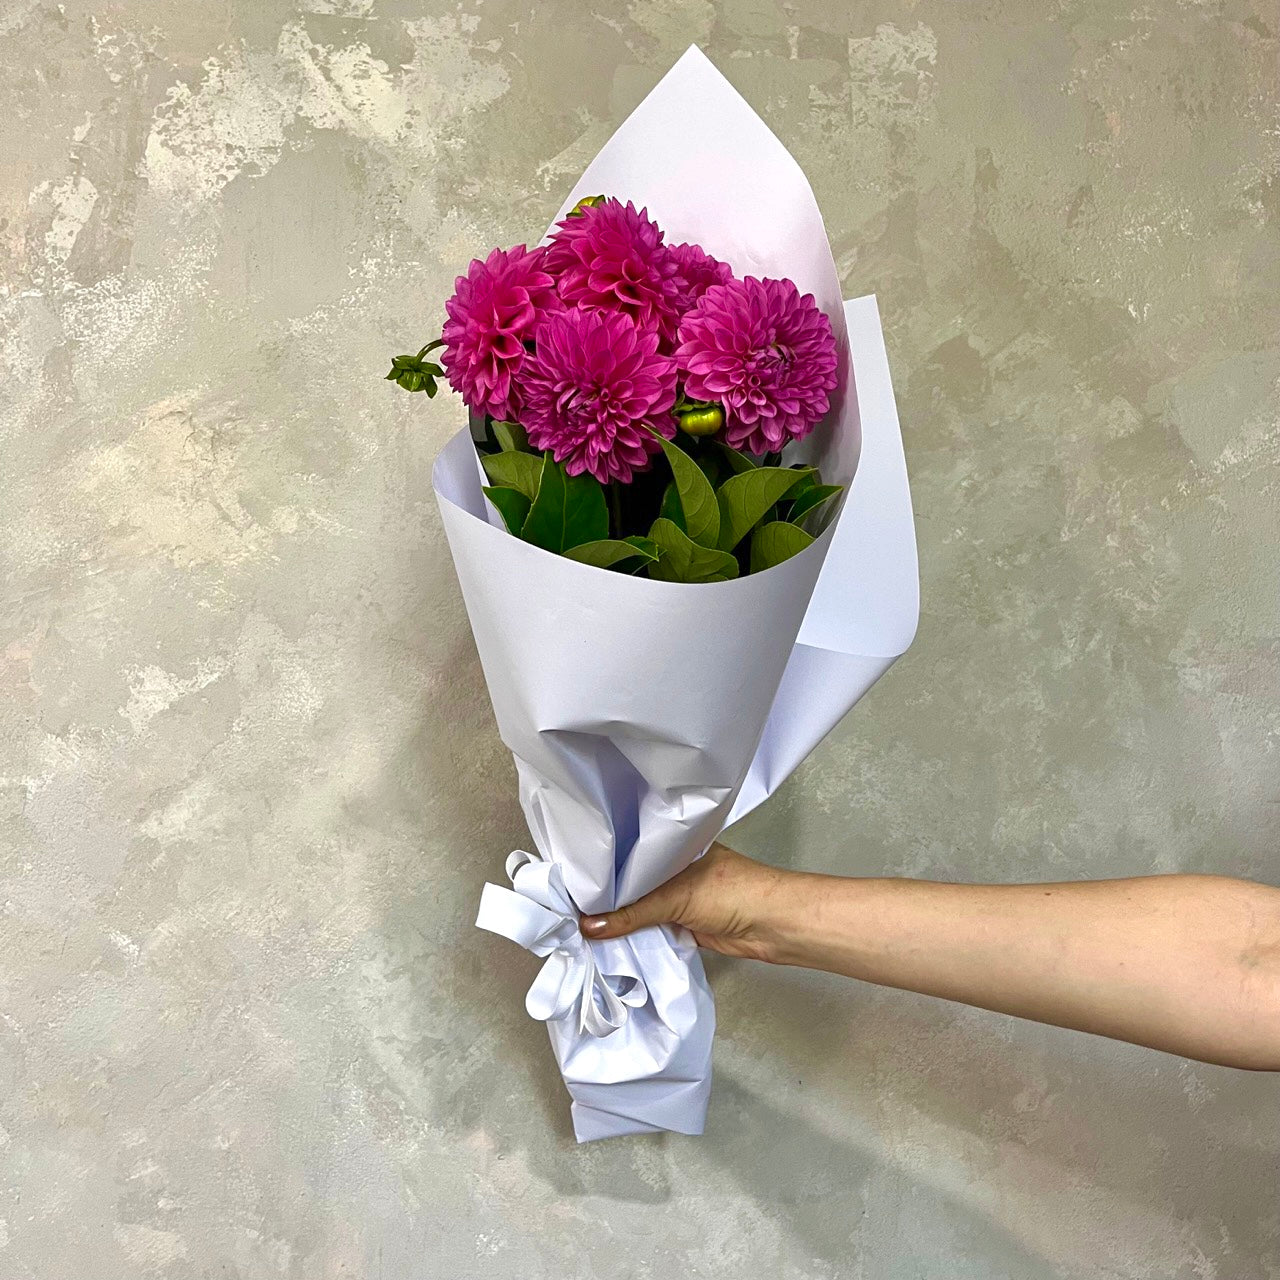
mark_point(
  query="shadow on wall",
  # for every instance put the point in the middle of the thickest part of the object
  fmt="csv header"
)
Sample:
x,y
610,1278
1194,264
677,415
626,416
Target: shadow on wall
x,y
821,1184
955,1100
496,1061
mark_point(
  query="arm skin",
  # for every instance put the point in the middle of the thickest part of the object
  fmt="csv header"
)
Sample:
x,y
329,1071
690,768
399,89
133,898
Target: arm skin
x,y
1185,963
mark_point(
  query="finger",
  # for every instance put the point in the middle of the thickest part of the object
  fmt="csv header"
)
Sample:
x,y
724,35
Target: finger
x,y
658,907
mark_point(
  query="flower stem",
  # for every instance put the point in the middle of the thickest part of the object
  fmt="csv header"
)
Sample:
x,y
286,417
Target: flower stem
x,y
615,508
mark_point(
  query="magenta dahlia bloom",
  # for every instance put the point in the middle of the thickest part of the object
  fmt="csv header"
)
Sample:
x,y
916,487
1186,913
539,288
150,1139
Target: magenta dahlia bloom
x,y
594,384
609,257
763,352
492,314
696,272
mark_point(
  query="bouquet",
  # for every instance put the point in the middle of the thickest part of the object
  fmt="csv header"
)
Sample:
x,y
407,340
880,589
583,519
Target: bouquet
x,y
683,534
584,359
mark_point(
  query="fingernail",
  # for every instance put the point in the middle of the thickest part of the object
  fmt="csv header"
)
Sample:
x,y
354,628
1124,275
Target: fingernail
x,y
594,924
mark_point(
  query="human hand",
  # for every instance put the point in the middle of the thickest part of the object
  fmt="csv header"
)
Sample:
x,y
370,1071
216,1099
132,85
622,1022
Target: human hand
x,y
1188,964
730,903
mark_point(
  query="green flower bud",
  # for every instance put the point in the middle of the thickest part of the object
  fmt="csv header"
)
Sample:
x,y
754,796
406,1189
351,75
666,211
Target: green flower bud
x,y
417,373
704,420
587,202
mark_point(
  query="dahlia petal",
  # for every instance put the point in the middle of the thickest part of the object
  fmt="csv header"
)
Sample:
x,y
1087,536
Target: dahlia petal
x,y
593,383
612,257
491,316
763,351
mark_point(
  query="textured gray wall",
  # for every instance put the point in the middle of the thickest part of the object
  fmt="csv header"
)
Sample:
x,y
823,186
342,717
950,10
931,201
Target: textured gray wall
x,y
251,783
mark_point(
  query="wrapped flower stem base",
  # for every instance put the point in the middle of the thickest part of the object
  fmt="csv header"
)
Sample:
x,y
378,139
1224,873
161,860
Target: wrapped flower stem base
x,y
646,715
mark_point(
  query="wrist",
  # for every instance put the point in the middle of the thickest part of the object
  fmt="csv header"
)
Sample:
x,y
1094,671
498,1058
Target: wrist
x,y
825,922
785,917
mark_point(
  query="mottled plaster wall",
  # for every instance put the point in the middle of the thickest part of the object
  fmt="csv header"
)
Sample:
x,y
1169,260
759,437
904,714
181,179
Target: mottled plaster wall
x,y
250,779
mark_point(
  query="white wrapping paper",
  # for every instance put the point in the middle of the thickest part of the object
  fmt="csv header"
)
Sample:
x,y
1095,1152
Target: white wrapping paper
x,y
644,716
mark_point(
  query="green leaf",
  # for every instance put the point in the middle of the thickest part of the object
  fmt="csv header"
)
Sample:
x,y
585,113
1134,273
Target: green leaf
x,y
513,506
712,465
697,497
515,470
812,502
683,560
612,553
773,543
511,437
811,478
645,545
567,511
670,508
738,461
744,499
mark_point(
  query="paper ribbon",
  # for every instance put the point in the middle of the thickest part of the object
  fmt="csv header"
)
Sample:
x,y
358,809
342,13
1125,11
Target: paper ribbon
x,y
538,913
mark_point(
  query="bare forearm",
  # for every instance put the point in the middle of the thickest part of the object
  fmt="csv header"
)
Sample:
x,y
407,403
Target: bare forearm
x,y
1189,964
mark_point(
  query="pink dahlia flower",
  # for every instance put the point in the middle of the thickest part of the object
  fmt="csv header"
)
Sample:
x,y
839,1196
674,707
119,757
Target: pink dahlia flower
x,y
697,271
766,354
609,257
593,386
492,314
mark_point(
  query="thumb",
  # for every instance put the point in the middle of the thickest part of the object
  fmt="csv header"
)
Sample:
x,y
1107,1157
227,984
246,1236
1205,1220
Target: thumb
x,y
657,907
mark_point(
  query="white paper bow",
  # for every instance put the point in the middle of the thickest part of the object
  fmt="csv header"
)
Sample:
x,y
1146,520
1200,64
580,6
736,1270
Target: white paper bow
x,y
539,914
